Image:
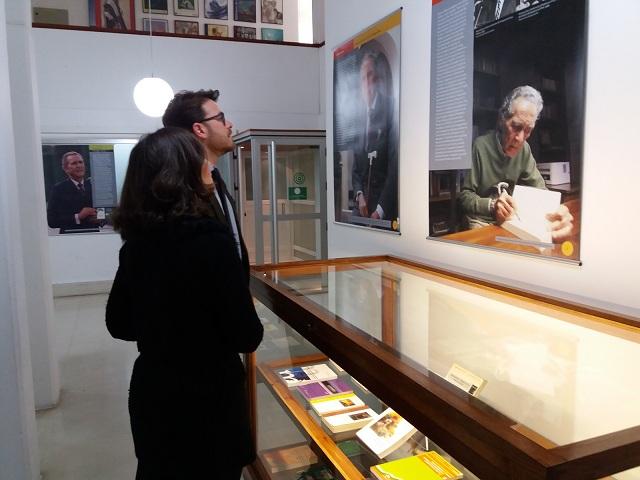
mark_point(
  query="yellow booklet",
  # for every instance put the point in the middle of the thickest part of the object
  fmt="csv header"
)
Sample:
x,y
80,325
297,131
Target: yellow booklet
x,y
425,466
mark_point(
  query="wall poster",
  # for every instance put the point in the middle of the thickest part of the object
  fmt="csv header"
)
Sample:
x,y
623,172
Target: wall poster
x,y
506,124
82,185
115,14
366,117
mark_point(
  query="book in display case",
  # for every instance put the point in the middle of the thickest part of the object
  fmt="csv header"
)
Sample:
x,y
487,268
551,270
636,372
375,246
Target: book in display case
x,y
425,370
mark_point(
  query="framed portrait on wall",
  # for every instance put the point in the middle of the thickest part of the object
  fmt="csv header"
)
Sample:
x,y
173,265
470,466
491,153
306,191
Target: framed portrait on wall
x,y
82,183
115,14
244,11
155,6
185,28
185,8
216,30
158,25
216,9
272,34
366,126
506,148
245,33
272,11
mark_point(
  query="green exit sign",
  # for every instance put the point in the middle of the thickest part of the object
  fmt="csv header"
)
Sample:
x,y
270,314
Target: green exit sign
x,y
297,193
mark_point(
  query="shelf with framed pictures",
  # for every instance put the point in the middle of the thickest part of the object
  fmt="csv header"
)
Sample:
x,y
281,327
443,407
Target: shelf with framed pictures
x,y
444,188
378,367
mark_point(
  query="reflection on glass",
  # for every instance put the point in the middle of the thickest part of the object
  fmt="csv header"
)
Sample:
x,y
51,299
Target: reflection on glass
x,y
298,240
553,371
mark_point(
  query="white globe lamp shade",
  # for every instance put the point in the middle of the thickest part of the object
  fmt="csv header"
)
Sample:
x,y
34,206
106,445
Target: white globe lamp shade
x,y
152,95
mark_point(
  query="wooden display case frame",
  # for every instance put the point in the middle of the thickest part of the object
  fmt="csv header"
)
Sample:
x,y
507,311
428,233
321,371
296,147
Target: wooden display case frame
x,y
321,438
482,439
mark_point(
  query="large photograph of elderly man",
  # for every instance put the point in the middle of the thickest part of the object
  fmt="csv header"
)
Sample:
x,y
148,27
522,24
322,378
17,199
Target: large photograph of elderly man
x,y
366,113
513,181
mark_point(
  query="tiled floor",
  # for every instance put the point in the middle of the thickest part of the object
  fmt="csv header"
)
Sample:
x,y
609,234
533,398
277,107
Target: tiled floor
x,y
87,436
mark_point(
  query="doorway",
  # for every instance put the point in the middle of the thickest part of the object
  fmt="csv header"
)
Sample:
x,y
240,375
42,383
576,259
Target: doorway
x,y
281,194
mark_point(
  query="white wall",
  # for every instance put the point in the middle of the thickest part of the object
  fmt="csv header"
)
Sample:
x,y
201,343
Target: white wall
x,y
18,434
32,220
85,85
318,20
610,274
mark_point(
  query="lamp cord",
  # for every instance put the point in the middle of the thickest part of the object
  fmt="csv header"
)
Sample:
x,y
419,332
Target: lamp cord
x,y
150,38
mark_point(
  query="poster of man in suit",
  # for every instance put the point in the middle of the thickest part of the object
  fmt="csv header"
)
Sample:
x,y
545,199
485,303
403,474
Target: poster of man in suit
x,y
366,125
76,202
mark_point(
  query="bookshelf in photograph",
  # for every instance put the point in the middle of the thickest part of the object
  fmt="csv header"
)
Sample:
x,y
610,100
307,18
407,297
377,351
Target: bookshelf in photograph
x,y
444,187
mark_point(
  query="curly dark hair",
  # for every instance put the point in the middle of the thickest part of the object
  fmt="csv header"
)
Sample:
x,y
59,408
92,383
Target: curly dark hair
x,y
163,182
185,108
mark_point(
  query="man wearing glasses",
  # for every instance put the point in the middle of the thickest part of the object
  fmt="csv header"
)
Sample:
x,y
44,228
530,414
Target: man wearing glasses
x,y
199,113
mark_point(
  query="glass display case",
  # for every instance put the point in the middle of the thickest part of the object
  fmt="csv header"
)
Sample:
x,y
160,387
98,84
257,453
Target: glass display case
x,y
499,383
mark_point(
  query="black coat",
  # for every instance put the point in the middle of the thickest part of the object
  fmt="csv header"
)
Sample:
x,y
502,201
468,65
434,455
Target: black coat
x,y
65,201
181,294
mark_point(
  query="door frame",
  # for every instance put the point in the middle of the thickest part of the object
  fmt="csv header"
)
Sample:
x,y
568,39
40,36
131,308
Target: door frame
x,y
271,140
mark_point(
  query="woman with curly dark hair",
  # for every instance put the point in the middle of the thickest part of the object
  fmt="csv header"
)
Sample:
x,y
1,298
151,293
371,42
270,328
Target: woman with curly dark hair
x,y
180,293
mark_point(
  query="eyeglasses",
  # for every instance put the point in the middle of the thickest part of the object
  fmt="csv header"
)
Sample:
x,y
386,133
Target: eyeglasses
x,y
219,117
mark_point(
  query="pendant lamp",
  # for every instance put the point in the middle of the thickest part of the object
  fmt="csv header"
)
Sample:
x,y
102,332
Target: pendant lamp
x,y
152,94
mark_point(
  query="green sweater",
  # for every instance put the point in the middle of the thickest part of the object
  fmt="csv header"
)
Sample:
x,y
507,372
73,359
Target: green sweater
x,y
489,166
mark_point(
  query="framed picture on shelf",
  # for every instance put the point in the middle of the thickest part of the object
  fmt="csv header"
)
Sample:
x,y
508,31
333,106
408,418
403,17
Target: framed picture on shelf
x,y
155,6
246,33
217,9
157,25
115,14
185,8
272,12
244,11
185,28
272,34
216,30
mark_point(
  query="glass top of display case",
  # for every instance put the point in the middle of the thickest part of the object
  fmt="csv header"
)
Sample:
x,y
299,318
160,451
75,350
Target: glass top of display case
x,y
556,373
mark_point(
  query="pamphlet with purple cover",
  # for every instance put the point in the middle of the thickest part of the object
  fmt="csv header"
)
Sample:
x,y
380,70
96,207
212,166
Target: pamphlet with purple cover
x,y
324,388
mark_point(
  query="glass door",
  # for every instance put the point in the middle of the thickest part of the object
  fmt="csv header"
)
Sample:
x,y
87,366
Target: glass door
x,y
283,198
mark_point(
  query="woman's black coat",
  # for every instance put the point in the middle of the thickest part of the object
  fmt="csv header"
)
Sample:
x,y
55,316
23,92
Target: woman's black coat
x,y
181,294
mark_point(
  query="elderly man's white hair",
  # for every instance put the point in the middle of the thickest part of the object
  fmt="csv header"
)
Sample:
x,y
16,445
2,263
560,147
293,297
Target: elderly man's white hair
x,y
526,92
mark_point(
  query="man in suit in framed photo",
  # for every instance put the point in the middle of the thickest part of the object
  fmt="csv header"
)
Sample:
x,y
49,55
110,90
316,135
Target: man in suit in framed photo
x,y
70,206
375,167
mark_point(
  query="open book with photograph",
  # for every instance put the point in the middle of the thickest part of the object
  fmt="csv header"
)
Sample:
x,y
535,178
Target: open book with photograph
x,y
533,204
386,432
